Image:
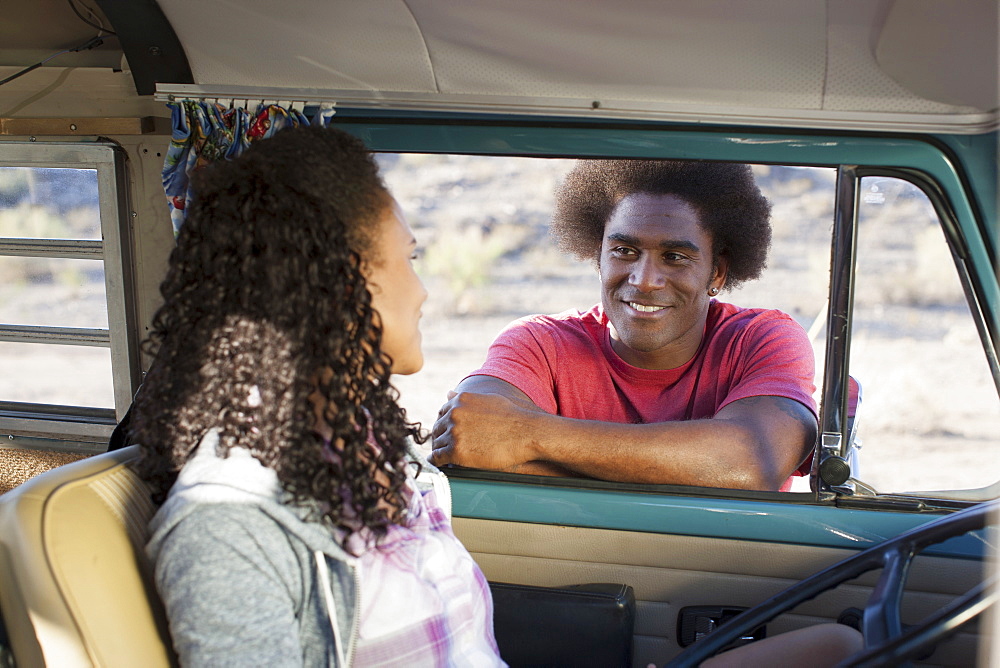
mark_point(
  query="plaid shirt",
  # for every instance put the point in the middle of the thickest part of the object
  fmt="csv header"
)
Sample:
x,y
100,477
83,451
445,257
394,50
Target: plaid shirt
x,y
424,601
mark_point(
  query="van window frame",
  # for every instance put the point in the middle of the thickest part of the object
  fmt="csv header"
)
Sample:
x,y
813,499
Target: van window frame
x,y
81,429
927,162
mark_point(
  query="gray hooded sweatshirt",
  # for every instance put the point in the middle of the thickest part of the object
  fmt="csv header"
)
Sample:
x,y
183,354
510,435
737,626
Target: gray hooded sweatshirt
x,y
245,578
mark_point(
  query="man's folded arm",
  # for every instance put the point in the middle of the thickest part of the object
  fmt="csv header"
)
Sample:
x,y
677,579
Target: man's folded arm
x,y
752,443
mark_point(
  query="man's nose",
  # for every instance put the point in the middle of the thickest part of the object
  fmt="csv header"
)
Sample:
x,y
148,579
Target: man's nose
x,y
646,275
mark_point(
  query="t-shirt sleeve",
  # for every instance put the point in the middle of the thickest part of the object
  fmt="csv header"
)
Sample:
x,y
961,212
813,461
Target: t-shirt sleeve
x,y
520,355
775,359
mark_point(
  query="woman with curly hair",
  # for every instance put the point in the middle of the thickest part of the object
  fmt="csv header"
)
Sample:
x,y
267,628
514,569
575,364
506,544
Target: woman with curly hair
x,y
296,526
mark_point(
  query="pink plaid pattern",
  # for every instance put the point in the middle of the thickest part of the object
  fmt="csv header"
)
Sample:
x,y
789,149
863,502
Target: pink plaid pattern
x,y
424,601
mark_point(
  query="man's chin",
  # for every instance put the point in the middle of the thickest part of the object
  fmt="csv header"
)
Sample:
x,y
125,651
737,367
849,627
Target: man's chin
x,y
640,347
640,334
636,342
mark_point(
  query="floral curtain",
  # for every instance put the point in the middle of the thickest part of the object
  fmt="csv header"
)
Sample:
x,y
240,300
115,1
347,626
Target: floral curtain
x,y
204,132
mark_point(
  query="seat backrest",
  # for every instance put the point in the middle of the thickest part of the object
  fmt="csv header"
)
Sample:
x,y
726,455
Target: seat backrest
x,y
75,586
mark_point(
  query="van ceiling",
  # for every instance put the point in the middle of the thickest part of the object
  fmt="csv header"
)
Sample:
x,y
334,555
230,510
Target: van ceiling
x,y
33,30
919,65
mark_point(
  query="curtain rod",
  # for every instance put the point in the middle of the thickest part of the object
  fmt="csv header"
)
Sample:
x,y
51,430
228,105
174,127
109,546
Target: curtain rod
x,y
251,104
244,96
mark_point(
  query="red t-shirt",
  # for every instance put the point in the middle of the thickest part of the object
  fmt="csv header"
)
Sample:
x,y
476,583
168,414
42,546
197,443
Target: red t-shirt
x,y
565,364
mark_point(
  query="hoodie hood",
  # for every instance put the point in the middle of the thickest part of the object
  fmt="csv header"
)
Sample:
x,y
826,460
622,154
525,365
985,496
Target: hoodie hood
x,y
240,478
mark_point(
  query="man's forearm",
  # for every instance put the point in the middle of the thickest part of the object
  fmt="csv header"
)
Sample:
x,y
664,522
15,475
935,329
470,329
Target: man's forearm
x,y
752,443
713,453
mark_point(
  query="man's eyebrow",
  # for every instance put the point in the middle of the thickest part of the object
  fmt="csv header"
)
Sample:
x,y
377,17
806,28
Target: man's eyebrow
x,y
670,244
623,238
666,244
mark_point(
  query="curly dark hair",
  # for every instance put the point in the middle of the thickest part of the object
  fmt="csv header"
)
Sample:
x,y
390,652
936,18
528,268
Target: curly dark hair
x,y
729,203
267,328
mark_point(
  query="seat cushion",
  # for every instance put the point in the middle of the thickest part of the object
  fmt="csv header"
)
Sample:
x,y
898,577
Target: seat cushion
x,y
75,586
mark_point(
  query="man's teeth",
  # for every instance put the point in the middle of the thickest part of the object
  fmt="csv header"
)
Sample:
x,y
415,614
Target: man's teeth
x,y
646,309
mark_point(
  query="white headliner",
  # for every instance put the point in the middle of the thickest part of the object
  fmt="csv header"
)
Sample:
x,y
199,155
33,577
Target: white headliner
x,y
920,65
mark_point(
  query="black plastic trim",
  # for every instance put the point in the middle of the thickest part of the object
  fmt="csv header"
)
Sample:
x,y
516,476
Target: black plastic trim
x,y
19,409
151,46
6,653
841,308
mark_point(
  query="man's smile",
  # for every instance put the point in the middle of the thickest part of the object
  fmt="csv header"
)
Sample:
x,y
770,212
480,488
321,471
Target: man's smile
x,y
645,308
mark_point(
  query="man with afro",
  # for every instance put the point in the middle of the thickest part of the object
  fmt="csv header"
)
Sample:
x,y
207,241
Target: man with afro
x,y
661,382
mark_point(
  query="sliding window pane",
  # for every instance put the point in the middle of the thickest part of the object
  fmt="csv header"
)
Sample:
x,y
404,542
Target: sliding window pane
x,y
53,374
49,203
52,292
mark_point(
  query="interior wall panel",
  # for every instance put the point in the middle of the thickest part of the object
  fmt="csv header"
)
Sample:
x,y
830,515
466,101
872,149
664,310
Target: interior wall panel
x,y
669,572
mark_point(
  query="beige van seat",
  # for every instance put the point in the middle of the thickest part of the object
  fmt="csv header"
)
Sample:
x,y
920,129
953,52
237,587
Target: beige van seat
x,y
75,586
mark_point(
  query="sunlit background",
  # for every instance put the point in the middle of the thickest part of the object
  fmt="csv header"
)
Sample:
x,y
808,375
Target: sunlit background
x,y
930,417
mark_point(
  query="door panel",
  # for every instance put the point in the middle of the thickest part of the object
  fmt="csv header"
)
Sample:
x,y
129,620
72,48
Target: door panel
x,y
669,572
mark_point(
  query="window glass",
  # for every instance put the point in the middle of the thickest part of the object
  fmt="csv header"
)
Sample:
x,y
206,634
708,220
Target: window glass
x,y
54,292
49,203
930,413
930,416
797,277
55,374
46,286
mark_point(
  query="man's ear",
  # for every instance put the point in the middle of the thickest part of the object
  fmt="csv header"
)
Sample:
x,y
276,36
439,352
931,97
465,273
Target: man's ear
x,y
721,271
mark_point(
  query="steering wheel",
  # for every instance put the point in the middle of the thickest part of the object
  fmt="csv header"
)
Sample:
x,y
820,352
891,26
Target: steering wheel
x,y
885,641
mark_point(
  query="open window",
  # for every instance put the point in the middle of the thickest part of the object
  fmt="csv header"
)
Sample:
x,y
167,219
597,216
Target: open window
x,y
929,410
488,257
66,327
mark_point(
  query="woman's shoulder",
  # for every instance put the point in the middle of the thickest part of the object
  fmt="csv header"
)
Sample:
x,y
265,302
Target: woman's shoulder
x,y
219,527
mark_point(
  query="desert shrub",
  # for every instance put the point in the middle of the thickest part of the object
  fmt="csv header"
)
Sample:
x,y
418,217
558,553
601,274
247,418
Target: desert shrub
x,y
464,259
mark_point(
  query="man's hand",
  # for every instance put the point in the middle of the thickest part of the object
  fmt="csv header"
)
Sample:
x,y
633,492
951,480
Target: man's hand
x,y
486,424
487,431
